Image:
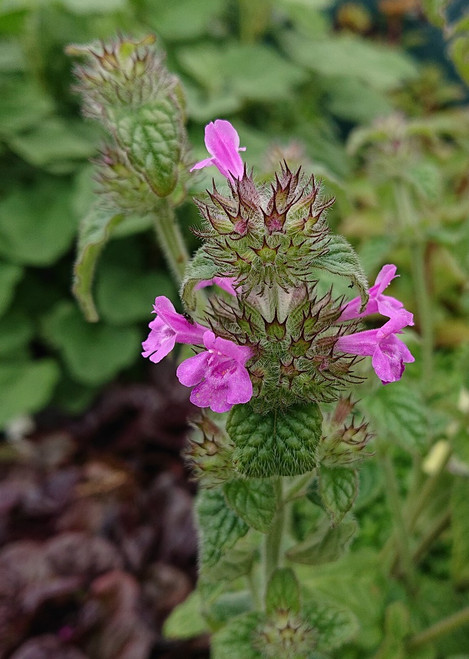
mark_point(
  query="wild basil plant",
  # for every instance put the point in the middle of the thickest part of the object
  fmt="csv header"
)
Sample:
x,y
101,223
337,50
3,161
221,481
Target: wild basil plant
x,y
270,354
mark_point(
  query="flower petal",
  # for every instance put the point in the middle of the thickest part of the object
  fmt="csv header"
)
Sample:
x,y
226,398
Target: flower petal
x,y
239,387
192,370
222,141
186,332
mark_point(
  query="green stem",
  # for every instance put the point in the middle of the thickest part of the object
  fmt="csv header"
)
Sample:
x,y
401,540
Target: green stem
x,y
437,528
395,507
298,487
426,493
171,240
415,505
273,539
440,628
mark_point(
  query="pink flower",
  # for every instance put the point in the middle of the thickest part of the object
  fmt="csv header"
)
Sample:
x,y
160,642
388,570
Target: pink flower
x,y
167,329
226,283
388,353
222,142
218,375
378,303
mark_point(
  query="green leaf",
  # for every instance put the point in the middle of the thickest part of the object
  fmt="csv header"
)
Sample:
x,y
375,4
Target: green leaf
x,y
398,411
253,500
282,442
10,275
326,545
125,295
37,224
93,353
219,526
425,177
354,100
396,628
236,562
94,232
252,72
184,19
23,106
186,620
340,259
283,592
460,532
16,330
235,640
228,606
334,626
56,145
338,488
26,388
151,136
378,65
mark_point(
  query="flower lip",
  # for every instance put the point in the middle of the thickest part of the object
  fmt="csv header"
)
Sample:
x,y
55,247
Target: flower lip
x,y
222,142
386,305
218,374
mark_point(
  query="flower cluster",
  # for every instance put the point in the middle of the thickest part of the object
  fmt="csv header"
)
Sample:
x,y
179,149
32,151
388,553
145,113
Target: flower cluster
x,y
218,373
278,337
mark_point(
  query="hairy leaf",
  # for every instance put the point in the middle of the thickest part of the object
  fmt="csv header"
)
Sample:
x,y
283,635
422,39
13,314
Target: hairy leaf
x,y
283,592
338,488
186,620
151,135
283,442
334,626
236,639
94,232
399,412
341,260
253,500
219,526
327,544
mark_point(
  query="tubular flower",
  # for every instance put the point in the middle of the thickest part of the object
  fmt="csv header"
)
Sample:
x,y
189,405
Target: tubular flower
x,y
226,283
378,302
218,374
167,329
388,353
222,142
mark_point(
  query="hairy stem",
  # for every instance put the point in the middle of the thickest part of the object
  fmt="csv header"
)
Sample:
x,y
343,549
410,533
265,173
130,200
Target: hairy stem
x,y
440,628
273,540
171,240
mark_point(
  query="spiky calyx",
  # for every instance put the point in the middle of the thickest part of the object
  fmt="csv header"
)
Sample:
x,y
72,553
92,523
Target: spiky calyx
x,y
344,438
209,454
262,238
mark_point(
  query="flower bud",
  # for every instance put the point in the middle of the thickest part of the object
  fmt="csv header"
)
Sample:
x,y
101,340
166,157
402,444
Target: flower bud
x,y
343,441
209,452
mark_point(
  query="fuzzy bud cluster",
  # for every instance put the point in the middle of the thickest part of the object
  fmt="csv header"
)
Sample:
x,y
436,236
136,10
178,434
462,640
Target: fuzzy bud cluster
x,y
126,87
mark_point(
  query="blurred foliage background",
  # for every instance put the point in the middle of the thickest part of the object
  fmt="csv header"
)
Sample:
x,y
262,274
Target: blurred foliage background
x,y
370,96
